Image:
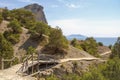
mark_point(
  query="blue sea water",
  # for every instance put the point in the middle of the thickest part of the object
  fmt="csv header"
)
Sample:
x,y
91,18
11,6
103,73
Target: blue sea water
x,y
107,41
104,40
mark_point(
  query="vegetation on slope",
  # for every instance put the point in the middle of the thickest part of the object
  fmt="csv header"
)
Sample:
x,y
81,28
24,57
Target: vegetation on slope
x,y
6,50
104,71
1,18
57,42
89,45
39,31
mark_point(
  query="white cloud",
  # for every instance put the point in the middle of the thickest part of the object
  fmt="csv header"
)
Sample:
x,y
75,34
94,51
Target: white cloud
x,y
27,1
101,28
73,6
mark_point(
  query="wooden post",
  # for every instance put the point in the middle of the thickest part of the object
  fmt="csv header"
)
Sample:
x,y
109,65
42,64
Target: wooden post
x,y
38,62
32,64
22,67
2,63
10,63
27,66
46,65
38,66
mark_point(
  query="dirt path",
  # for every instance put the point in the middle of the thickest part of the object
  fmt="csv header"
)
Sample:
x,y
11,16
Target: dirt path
x,y
108,52
10,74
79,59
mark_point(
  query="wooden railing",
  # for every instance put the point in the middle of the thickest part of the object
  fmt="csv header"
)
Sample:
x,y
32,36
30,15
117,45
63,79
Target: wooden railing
x,y
6,60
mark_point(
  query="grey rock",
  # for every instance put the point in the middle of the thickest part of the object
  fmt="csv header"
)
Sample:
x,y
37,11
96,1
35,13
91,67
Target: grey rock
x,y
37,10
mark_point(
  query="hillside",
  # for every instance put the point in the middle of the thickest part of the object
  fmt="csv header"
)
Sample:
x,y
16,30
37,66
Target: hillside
x,y
29,47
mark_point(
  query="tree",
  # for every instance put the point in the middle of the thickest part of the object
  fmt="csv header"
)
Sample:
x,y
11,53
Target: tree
x,y
23,16
57,42
93,74
30,50
90,45
110,46
39,30
71,77
6,50
52,77
100,43
5,14
13,38
112,70
1,18
16,27
13,34
116,49
75,43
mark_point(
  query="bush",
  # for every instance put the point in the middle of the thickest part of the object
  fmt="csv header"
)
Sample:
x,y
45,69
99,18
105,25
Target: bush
x,y
71,77
30,50
112,70
52,77
1,18
39,30
13,38
23,16
93,74
6,50
90,46
75,43
6,14
100,43
13,34
116,49
57,42
15,26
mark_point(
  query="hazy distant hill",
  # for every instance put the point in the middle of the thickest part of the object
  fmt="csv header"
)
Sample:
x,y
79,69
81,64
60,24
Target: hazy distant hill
x,y
77,36
105,40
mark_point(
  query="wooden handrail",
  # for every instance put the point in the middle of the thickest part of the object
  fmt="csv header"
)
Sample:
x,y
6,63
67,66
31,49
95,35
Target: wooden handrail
x,y
5,60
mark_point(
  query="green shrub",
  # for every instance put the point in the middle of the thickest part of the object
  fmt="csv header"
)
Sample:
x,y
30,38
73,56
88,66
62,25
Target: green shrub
x,y
16,27
23,16
6,14
90,46
100,43
39,30
52,77
116,49
30,50
71,77
13,38
6,50
1,18
57,42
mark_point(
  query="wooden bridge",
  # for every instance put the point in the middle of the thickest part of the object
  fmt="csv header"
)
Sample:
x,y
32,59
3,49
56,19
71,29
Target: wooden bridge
x,y
32,65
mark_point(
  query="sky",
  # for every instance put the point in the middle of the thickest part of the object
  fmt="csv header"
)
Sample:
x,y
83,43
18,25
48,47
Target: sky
x,y
97,18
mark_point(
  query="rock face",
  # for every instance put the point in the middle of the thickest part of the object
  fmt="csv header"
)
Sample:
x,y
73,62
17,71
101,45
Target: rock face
x,y
38,12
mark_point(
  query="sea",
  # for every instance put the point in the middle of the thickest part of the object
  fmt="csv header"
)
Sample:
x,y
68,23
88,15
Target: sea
x,y
105,40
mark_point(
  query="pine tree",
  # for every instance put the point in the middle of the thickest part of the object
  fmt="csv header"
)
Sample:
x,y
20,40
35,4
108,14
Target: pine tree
x,y
116,49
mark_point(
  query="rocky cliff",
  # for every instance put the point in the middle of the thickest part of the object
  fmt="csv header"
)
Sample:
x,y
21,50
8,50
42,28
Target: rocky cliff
x,y
38,12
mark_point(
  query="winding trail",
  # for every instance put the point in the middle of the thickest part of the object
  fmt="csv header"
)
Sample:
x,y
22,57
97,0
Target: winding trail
x,y
78,59
10,73
106,53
